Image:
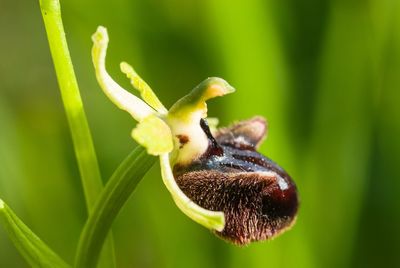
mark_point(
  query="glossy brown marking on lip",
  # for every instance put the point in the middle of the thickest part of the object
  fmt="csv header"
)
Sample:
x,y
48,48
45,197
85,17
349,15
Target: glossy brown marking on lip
x,y
258,198
280,203
183,139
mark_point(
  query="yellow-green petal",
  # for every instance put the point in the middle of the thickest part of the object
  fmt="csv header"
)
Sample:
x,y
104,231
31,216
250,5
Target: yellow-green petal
x,y
153,134
145,90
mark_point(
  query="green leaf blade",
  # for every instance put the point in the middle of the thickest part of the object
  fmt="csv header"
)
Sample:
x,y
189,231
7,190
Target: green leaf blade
x,y
31,247
116,192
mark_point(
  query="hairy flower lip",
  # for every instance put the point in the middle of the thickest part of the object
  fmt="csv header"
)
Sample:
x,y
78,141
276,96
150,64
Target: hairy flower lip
x,y
259,199
254,205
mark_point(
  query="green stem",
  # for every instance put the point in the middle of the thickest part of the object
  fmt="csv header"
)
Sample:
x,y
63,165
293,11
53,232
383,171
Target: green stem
x,y
116,192
81,137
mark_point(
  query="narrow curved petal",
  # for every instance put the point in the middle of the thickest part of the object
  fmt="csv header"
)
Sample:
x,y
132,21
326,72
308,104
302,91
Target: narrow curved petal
x,y
145,90
210,219
122,98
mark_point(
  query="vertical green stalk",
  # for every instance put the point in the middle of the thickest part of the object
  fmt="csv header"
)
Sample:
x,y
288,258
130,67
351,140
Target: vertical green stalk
x,y
81,137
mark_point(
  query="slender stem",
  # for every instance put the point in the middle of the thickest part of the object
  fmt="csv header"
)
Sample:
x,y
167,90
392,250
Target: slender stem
x,y
116,192
81,136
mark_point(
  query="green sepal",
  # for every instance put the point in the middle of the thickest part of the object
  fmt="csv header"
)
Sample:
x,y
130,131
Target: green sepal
x,y
119,96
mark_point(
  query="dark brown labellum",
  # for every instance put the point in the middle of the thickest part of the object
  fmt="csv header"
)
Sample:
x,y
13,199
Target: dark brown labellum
x,y
258,197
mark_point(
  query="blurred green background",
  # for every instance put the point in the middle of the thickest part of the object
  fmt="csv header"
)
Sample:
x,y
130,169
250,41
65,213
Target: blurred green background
x,y
326,75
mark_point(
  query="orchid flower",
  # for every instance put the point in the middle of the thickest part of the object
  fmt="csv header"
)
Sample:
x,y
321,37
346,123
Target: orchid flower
x,y
217,178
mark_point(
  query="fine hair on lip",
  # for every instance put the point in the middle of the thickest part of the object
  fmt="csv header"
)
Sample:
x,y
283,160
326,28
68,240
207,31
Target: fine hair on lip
x,y
258,198
255,206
